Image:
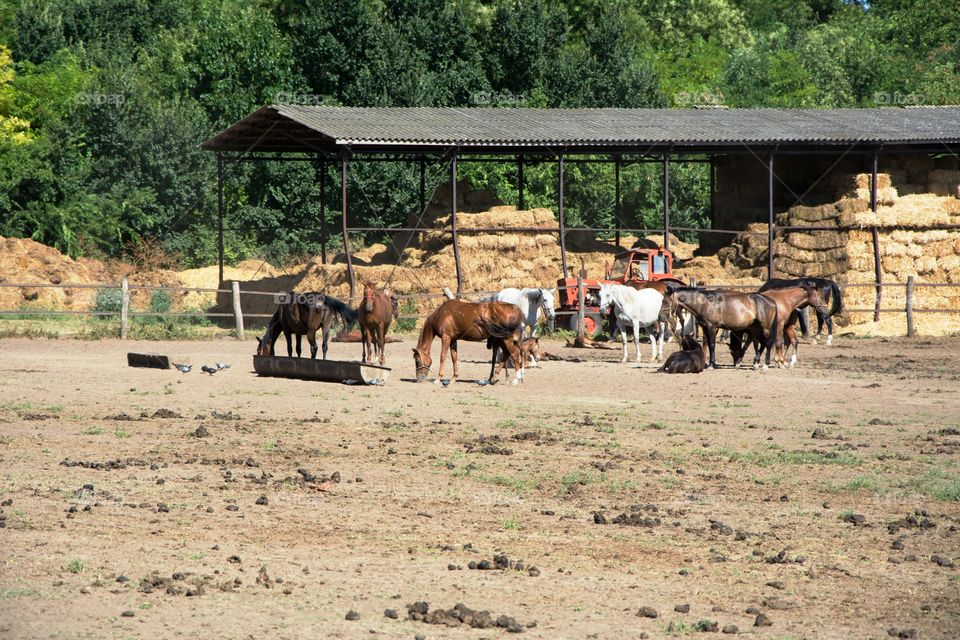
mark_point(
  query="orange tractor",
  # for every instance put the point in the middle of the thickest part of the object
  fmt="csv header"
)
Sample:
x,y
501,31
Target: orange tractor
x,y
633,265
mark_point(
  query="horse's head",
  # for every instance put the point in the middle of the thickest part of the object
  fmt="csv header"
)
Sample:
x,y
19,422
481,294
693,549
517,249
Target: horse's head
x,y
606,297
422,362
369,290
689,343
263,344
738,346
546,303
814,297
394,305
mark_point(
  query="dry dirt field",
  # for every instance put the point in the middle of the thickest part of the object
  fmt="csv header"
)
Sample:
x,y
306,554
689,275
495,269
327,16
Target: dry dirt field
x,y
596,500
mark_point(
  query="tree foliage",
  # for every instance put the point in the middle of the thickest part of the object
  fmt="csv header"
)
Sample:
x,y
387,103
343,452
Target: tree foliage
x,y
103,103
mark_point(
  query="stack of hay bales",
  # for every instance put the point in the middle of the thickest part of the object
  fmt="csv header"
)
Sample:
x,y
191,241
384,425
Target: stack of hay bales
x,y
906,246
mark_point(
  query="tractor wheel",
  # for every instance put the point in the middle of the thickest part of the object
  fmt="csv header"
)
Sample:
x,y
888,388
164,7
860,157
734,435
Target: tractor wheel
x,y
592,324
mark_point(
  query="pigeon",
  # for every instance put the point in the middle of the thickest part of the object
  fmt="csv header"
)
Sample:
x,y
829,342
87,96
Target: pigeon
x,y
83,492
183,368
222,365
209,370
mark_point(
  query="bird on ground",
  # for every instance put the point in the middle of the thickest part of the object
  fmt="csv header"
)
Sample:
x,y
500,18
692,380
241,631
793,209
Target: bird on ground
x,y
222,365
209,370
183,368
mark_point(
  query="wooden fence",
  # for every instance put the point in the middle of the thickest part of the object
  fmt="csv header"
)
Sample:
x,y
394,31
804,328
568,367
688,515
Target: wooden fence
x,y
431,301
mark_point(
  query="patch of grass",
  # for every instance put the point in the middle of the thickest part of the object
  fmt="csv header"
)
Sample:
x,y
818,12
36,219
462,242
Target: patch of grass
x,y
937,483
396,413
512,524
577,477
75,566
505,424
864,483
772,458
92,431
122,433
16,593
168,389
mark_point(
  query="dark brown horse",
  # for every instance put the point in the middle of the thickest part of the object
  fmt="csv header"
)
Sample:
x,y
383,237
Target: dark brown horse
x,y
374,315
742,312
690,360
829,292
496,322
303,314
790,301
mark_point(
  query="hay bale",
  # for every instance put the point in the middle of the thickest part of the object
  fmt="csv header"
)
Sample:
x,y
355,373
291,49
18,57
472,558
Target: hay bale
x,y
926,264
885,196
816,240
800,213
852,205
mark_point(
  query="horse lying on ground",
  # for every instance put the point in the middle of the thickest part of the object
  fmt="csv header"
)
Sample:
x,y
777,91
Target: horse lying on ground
x,y
303,314
637,309
374,315
457,320
753,313
829,293
690,360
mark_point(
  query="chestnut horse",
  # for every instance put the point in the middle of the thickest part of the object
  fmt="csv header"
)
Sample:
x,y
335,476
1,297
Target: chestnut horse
x,y
496,322
374,315
829,292
790,301
743,312
303,314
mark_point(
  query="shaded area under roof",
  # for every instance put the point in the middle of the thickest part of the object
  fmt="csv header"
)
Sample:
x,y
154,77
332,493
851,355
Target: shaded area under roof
x,y
292,128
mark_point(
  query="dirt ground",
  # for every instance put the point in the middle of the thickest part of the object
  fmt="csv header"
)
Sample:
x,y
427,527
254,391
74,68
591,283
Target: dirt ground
x,y
824,500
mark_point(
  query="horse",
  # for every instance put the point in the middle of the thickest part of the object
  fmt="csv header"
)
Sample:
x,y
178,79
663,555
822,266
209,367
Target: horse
x,y
670,313
734,311
689,360
637,308
374,315
531,302
529,351
789,300
303,314
829,292
495,322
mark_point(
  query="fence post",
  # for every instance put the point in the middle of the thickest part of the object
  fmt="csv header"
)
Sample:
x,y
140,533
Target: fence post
x,y
124,307
911,330
448,294
237,312
580,303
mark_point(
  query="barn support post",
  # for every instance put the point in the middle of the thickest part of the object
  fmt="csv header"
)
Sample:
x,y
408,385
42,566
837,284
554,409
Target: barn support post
x,y
911,329
873,181
666,202
520,203
237,311
770,226
580,312
124,307
560,216
220,214
323,211
616,198
453,221
877,271
713,187
423,185
343,220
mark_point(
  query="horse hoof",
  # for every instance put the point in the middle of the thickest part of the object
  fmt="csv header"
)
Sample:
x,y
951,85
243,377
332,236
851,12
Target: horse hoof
x,y
437,381
829,340
765,367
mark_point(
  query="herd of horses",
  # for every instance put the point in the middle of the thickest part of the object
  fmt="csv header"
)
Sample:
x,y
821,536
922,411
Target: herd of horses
x,y
508,321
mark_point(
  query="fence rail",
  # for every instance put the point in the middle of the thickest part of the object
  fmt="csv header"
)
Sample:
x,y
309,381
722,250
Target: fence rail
x,y
238,314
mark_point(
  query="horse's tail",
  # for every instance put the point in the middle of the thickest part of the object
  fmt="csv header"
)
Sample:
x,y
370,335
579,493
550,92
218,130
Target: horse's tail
x,y
342,310
837,297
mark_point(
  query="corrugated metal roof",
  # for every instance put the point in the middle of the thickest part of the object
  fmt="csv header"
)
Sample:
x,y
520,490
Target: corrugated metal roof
x,y
300,128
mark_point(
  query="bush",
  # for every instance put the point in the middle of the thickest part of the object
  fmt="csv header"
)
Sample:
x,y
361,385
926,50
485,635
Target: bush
x,y
160,302
405,325
108,301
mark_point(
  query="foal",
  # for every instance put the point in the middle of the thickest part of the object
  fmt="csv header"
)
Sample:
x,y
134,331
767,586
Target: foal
x,y
690,360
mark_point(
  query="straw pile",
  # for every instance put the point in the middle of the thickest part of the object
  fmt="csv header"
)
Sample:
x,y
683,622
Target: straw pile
x,y
24,260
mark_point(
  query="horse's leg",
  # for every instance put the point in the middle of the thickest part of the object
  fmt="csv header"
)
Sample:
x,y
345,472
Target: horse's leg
x,y
312,339
804,320
711,333
636,339
653,333
790,338
829,320
363,341
326,338
623,337
381,341
444,348
455,359
515,353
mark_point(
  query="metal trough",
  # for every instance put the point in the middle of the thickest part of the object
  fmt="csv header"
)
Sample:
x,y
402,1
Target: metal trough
x,y
322,370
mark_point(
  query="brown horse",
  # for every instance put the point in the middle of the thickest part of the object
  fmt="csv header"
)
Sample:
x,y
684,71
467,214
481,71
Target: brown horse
x,y
303,314
529,351
374,315
742,312
496,322
790,301
690,359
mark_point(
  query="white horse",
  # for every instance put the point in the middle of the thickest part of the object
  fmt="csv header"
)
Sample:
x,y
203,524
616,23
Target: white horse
x,y
532,302
638,309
